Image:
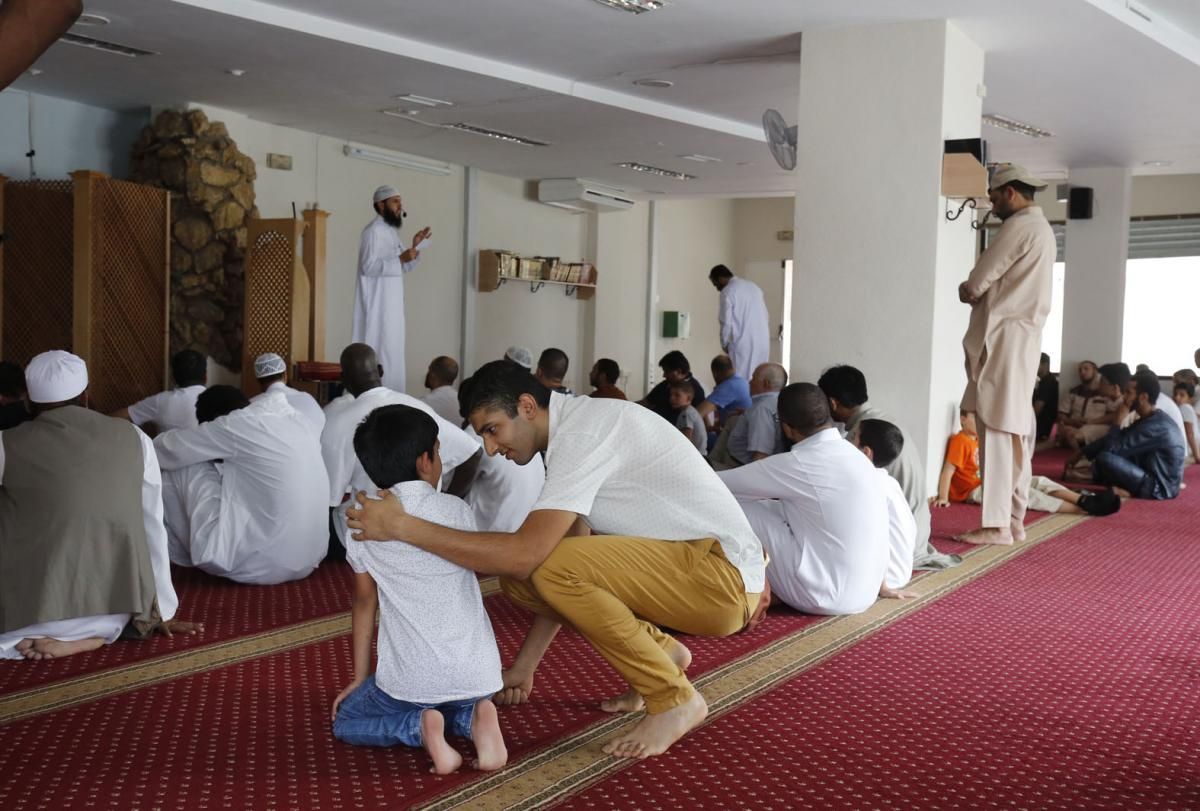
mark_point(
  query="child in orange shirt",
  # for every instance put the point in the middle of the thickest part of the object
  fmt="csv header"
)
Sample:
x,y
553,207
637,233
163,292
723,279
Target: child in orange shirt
x,y
960,472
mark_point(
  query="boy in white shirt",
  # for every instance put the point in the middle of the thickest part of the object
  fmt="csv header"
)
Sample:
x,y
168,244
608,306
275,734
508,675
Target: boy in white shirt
x,y
438,663
689,421
882,442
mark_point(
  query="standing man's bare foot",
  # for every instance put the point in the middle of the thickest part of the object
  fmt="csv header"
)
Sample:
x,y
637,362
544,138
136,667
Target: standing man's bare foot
x,y
446,758
654,734
1017,530
999,536
631,700
45,648
490,751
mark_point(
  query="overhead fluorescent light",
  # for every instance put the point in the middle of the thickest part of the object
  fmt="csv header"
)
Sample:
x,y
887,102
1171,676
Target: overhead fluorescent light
x,y
107,47
91,19
393,159
424,101
1020,127
499,136
698,158
1157,164
654,170
662,84
633,6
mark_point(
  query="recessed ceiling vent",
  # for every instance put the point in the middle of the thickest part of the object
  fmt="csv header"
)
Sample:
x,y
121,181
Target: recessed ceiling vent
x,y
103,45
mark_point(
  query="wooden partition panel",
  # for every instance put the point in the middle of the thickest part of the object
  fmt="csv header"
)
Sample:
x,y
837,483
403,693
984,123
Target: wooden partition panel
x,y
276,315
37,300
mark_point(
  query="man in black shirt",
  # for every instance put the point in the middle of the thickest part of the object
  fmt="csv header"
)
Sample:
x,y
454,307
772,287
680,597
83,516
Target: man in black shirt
x,y
675,366
1045,398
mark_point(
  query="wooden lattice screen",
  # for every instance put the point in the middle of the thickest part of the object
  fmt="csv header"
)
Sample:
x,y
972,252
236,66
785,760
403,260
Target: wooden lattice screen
x,y
36,267
122,272
84,266
277,296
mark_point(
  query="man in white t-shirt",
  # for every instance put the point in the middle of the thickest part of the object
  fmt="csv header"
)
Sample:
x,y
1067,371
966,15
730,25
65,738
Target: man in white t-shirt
x,y
882,442
673,550
271,373
438,664
818,509
174,408
442,397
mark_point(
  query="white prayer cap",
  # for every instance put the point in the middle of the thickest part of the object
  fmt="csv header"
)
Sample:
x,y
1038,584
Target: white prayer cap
x,y
384,192
268,364
55,377
520,356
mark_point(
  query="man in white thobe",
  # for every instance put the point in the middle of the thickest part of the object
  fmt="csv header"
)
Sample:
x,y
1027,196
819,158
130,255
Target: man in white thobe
x,y
745,325
360,376
1009,292
819,511
244,492
174,408
379,291
271,373
54,458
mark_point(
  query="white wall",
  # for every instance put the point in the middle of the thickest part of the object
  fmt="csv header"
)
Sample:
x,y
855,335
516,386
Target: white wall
x,y
619,324
1152,196
67,136
693,235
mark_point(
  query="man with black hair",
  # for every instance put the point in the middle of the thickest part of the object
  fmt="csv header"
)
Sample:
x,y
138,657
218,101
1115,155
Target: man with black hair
x,y
819,511
1184,393
673,550
14,409
882,442
1009,294
1045,398
675,367
442,397
730,395
745,325
1144,460
551,369
438,664
846,388
604,377
244,491
175,408
81,528
1086,414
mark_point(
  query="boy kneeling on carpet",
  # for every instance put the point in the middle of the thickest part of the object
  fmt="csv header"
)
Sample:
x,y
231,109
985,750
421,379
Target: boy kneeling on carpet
x,y
438,662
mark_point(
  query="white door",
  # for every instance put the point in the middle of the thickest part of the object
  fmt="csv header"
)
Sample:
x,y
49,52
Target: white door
x,y
775,279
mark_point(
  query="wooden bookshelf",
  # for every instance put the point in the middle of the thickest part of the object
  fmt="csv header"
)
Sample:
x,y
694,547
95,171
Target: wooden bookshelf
x,y
495,269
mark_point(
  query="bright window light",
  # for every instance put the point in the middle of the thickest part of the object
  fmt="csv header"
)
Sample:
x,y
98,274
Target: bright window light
x,y
1160,306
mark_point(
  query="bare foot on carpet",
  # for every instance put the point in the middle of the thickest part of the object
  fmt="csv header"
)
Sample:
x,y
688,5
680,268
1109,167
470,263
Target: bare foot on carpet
x,y
490,751
998,536
55,648
1017,529
654,734
446,758
631,700
516,690
896,594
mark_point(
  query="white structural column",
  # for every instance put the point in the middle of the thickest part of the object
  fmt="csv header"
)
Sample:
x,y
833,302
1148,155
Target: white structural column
x,y
877,266
1094,282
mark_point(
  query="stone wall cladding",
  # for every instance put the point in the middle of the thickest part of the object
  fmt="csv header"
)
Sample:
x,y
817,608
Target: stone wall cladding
x,y
212,197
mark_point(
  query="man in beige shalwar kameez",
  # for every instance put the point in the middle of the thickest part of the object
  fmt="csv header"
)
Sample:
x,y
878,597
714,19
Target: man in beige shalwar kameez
x,y
1009,294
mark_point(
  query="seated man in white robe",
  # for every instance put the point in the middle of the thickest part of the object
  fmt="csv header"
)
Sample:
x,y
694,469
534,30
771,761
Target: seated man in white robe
x,y
83,553
244,492
882,442
271,373
174,408
362,377
818,510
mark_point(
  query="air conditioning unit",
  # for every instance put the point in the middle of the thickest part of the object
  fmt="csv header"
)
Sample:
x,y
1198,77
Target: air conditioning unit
x,y
582,195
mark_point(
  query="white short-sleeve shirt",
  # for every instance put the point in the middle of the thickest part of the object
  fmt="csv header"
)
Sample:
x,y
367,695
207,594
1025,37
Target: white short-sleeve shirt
x,y
168,409
902,533
629,472
436,642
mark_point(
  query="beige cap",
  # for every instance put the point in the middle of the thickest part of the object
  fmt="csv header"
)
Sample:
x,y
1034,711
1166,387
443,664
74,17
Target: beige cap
x,y
1006,173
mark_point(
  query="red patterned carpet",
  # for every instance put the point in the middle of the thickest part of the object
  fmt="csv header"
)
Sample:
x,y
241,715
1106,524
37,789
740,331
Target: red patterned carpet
x,y
228,610
1067,678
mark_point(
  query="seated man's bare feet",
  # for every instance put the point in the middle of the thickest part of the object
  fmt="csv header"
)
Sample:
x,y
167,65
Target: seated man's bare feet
x,y
516,689
654,734
446,758
999,536
490,751
55,648
896,594
631,700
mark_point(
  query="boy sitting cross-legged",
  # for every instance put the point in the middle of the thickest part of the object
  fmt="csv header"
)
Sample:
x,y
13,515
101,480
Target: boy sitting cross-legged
x,y
438,662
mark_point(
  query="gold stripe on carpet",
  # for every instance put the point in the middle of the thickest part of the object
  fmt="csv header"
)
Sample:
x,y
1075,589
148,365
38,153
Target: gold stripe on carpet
x,y
573,764
93,686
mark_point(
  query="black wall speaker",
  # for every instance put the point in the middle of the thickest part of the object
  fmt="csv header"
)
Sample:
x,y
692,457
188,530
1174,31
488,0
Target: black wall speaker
x,y
1079,205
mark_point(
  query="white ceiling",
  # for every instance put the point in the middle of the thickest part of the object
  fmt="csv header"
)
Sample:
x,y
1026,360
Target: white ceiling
x,y
562,71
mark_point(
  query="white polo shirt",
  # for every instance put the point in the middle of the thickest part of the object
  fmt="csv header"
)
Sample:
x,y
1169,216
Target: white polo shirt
x,y
628,471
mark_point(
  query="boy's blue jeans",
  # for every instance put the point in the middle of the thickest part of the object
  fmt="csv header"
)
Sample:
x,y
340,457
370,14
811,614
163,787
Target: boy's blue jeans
x,y
370,717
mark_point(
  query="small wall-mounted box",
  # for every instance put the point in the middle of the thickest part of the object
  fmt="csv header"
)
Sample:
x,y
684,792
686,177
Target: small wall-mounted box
x,y
675,324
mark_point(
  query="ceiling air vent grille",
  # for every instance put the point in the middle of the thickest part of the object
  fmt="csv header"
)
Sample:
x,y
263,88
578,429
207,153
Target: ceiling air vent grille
x,y
102,45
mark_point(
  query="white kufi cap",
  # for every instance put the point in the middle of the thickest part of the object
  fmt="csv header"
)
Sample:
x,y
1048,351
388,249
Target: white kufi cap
x,y
384,192
55,377
520,356
268,364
